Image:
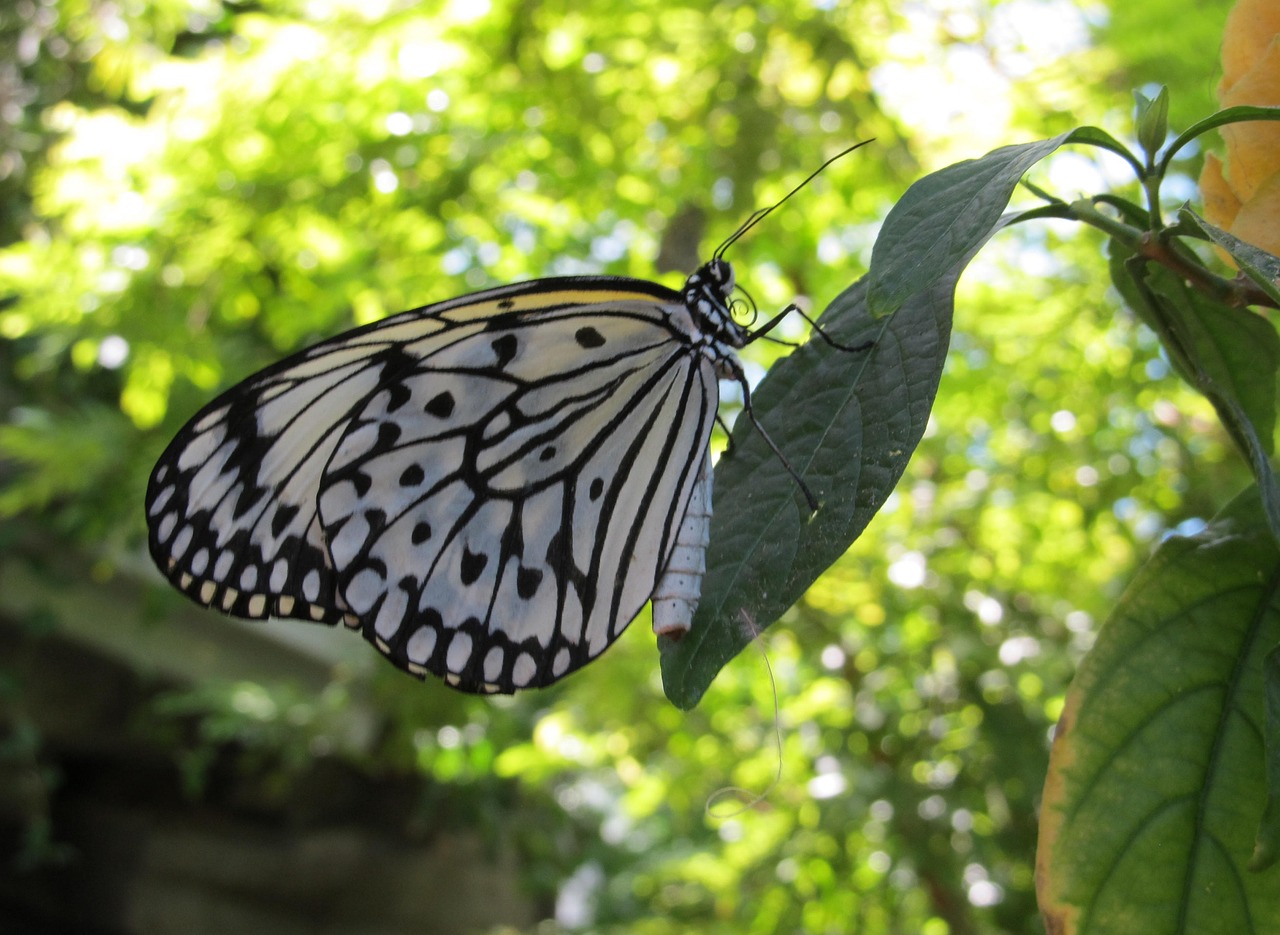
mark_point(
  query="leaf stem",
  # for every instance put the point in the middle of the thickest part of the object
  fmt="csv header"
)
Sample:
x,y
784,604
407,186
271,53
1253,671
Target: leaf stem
x,y
1157,246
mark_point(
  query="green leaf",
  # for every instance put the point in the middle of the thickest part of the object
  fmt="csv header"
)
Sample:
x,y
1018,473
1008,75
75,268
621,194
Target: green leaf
x,y
848,422
1240,114
1229,355
1235,353
942,218
1266,848
1256,263
1156,783
1095,136
1153,121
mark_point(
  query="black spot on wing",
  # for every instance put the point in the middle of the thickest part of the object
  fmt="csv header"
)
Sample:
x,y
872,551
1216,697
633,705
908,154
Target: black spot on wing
x,y
283,516
376,520
505,347
587,336
373,564
421,533
249,498
412,476
440,405
363,483
527,581
388,435
397,395
596,489
560,561
472,565
557,550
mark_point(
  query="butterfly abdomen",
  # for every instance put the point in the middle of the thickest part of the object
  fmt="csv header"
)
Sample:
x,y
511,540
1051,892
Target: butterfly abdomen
x,y
676,596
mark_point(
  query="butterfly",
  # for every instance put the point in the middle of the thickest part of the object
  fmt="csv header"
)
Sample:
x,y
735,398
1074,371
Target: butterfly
x,y
489,488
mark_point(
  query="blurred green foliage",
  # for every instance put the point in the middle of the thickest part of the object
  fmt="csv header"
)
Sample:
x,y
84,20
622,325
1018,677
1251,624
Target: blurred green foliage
x,y
200,187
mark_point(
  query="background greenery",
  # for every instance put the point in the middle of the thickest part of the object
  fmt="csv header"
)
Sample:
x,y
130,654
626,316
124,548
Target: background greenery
x,y
193,189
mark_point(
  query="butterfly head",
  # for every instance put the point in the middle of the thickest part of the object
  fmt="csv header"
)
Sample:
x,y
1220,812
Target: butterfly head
x,y
707,295
720,273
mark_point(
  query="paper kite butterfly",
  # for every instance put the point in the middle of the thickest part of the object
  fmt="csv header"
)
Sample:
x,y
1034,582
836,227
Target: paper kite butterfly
x,y
489,488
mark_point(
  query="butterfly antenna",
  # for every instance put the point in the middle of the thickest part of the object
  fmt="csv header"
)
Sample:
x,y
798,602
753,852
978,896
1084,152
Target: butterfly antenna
x,y
761,213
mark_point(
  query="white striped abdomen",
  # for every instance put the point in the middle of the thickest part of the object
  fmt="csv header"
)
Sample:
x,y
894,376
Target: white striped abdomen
x,y
676,596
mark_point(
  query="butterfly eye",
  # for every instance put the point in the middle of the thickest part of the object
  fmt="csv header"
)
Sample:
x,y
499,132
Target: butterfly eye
x,y
722,273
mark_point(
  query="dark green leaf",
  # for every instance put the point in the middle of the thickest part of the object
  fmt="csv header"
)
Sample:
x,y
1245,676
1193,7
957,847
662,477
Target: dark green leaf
x,y
848,422
1156,778
1256,263
942,218
1229,355
1266,847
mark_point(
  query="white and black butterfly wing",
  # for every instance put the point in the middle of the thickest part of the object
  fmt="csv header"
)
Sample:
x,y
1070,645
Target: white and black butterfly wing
x,y
489,488
231,503
498,514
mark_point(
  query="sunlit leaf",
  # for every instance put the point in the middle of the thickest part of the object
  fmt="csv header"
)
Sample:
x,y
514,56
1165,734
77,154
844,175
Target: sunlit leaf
x,y
942,218
1156,781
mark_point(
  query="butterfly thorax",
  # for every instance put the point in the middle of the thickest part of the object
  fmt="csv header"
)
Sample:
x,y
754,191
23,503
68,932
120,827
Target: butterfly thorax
x,y
706,295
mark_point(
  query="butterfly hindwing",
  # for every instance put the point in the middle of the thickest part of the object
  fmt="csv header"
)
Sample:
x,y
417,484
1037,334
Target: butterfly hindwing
x,y
231,503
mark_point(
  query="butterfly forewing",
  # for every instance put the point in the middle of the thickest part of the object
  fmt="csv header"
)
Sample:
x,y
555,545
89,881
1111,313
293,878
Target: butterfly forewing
x,y
488,488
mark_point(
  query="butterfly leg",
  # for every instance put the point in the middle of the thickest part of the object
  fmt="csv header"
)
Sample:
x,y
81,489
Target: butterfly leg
x,y
769,325
733,369
728,434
